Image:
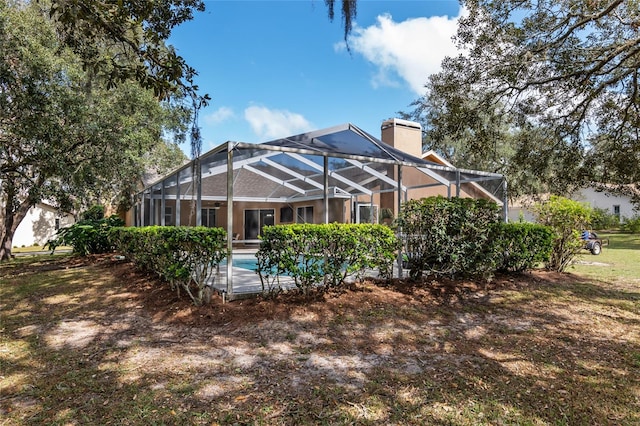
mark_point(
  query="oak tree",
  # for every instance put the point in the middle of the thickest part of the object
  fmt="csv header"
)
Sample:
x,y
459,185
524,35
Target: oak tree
x,y
568,69
66,138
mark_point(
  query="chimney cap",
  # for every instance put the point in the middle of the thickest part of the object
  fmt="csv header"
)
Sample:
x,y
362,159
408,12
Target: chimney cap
x,y
398,122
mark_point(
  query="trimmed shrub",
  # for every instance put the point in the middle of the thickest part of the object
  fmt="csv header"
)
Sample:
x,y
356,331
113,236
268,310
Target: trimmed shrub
x,y
185,257
603,219
323,256
87,236
631,225
523,246
451,237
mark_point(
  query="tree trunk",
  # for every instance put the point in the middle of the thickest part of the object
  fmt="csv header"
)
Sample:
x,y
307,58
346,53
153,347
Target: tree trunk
x,y
10,223
5,248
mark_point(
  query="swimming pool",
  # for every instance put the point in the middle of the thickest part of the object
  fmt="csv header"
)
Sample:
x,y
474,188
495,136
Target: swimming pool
x,y
243,261
246,261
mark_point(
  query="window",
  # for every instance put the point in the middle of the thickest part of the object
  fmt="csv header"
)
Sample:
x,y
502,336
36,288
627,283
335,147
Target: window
x,y
304,214
366,213
209,217
286,215
616,211
168,216
57,224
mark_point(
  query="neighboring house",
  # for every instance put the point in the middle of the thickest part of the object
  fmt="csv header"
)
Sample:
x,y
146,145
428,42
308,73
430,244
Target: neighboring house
x,y
617,204
40,225
521,209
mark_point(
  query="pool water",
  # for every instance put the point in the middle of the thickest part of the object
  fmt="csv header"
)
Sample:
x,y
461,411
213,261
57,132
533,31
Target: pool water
x,y
243,261
248,262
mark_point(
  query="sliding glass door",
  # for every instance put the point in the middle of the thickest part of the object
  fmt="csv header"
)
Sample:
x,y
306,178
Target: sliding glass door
x,y
254,220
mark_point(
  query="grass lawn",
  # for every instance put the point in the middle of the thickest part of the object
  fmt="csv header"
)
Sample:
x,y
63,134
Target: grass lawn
x,y
95,342
620,260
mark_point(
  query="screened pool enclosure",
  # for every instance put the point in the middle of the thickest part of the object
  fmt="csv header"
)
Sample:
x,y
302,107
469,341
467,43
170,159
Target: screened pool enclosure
x,y
339,174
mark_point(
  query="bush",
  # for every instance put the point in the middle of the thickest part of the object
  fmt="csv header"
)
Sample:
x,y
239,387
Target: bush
x,y
323,256
604,219
566,218
523,246
449,236
87,236
631,225
93,213
186,257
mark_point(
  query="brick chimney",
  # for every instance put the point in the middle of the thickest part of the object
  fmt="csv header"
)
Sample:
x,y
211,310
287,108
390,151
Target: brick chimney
x,y
404,135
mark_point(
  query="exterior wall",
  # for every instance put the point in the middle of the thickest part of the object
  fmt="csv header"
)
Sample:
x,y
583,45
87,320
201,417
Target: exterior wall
x,y
39,226
337,213
605,200
518,213
129,218
404,135
407,136
595,199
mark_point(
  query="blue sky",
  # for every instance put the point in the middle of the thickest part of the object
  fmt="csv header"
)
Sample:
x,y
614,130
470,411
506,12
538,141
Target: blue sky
x,y
276,68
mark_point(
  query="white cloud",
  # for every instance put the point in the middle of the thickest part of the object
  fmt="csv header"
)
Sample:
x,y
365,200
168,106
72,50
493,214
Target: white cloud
x,y
272,123
411,50
218,116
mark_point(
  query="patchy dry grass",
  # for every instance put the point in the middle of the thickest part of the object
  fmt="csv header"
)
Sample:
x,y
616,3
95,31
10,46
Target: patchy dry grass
x,y
94,342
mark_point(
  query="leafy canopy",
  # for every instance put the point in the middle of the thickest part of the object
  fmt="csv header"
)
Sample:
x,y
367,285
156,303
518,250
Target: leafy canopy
x,y
65,138
126,40
542,85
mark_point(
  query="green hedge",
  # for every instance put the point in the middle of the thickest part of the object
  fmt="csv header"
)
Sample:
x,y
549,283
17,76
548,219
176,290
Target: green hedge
x,y
604,219
451,237
462,237
186,257
631,225
323,256
87,236
523,246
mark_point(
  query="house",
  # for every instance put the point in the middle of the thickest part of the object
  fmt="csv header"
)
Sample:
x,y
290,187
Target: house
x,y
615,203
40,224
339,174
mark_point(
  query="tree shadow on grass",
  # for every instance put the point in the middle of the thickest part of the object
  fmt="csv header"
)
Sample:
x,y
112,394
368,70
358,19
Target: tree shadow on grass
x,y
111,346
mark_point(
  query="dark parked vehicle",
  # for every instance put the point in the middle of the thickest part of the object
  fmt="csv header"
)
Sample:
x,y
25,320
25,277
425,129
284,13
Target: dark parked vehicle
x,y
593,243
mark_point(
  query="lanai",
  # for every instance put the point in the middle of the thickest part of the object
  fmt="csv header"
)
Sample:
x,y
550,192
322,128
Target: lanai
x,y
338,174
